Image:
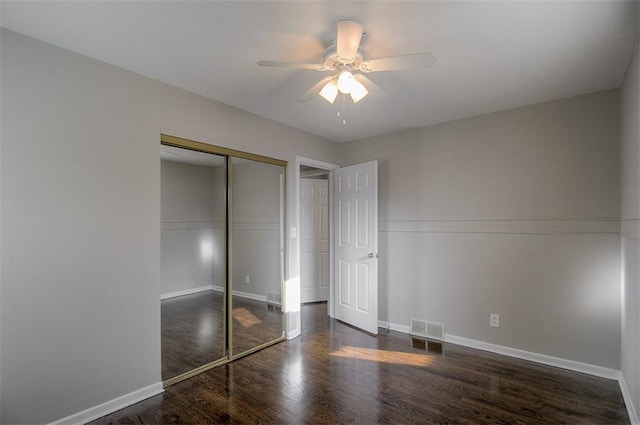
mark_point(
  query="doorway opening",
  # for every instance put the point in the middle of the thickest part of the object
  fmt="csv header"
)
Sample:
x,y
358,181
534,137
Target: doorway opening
x,y
314,235
352,197
314,185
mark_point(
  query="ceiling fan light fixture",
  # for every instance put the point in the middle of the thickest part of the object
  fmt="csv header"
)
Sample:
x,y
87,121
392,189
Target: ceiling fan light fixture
x,y
330,91
346,80
358,91
347,56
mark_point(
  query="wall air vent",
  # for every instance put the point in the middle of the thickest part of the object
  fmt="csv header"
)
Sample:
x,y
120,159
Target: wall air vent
x,y
418,328
435,331
425,329
274,298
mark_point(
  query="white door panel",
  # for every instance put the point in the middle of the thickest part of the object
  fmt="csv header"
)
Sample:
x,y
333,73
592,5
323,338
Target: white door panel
x,y
314,240
356,207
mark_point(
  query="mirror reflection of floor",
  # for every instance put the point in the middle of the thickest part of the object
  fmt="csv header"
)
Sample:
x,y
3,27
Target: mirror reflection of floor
x,y
254,323
193,329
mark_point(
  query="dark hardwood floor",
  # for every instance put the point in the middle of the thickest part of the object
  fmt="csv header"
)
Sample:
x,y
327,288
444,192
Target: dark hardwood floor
x,y
192,332
193,329
254,323
336,374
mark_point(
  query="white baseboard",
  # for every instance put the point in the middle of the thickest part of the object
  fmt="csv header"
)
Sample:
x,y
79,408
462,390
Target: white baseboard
x,y
294,334
394,327
572,365
628,401
111,406
186,292
589,369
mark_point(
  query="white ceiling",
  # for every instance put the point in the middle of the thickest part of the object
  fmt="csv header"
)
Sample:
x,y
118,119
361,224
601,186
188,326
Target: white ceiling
x,y
491,55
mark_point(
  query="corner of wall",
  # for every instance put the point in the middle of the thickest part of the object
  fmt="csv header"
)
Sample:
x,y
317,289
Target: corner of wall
x,y
630,235
628,401
1,321
293,327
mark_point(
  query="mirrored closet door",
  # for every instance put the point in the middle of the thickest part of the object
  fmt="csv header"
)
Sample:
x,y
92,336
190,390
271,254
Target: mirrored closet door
x,y
222,255
193,259
257,199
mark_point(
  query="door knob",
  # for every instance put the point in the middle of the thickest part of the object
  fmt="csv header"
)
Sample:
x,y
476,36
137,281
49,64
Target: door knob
x,y
372,255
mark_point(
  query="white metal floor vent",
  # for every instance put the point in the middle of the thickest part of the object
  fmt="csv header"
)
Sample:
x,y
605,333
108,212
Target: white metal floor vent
x,y
274,298
425,329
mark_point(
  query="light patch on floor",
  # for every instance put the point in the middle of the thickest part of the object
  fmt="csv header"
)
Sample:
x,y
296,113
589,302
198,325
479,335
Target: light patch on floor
x,y
383,356
245,317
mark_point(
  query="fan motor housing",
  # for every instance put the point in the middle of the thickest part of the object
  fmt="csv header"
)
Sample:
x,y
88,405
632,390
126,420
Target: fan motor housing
x,y
333,61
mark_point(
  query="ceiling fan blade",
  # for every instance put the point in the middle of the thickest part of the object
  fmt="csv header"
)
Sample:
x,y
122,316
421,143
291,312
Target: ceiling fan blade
x,y
349,35
392,63
313,91
297,65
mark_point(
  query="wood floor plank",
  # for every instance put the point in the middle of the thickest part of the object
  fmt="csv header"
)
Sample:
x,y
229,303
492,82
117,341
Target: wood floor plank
x,y
336,374
193,329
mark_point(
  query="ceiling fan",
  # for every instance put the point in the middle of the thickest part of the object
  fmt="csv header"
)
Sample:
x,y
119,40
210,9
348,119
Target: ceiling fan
x,y
347,62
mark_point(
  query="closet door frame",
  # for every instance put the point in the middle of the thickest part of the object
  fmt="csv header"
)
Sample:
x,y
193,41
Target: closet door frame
x,y
228,153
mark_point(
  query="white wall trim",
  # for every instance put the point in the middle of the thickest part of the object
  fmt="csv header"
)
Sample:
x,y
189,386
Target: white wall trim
x,y
394,327
628,401
630,228
247,226
192,225
111,406
186,292
572,226
589,369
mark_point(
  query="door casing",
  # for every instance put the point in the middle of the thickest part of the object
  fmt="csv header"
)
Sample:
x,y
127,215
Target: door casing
x,y
296,246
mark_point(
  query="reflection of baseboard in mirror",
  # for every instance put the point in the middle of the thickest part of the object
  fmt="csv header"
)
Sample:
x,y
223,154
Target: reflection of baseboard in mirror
x,y
187,292
271,297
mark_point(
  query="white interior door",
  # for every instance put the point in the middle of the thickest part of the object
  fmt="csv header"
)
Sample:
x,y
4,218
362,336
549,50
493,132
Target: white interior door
x,y
356,245
314,240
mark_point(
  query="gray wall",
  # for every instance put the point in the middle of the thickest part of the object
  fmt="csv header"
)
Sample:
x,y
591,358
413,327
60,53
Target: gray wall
x,y
514,213
80,306
630,215
192,226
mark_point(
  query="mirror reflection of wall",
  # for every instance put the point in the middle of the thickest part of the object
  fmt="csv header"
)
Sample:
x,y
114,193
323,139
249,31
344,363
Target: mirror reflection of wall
x,y
193,259
258,208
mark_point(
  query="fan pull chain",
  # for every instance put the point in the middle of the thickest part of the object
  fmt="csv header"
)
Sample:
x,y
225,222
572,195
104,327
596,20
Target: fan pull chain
x,y
342,113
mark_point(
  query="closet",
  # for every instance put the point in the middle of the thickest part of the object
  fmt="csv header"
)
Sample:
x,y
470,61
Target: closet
x,y
222,255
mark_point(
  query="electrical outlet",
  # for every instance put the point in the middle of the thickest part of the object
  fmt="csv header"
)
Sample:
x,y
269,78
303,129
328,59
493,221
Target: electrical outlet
x,y
494,320
247,279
